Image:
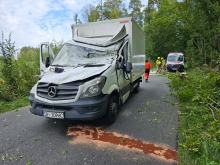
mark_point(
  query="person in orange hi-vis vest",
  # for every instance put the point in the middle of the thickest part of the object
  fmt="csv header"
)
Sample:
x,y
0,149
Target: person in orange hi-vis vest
x,y
147,69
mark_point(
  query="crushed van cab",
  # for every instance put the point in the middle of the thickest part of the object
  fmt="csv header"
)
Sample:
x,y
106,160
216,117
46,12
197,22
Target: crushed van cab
x,y
93,74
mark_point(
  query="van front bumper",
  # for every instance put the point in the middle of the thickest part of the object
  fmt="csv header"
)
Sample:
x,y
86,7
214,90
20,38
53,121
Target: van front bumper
x,y
83,109
175,67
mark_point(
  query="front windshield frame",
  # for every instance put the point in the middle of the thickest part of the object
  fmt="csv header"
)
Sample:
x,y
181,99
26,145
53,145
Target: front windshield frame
x,y
72,55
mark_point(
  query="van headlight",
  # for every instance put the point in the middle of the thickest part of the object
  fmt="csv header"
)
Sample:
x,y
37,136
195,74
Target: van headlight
x,y
93,87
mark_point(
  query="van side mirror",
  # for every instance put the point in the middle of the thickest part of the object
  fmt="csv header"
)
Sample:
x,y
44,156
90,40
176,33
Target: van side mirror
x,y
128,67
47,63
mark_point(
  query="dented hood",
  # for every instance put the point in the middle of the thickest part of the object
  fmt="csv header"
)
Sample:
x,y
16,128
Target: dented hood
x,y
72,74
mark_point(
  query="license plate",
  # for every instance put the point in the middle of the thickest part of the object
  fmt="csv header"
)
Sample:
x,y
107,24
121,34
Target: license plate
x,y
55,115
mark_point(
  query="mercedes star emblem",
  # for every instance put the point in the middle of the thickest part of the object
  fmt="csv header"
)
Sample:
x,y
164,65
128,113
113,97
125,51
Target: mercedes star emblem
x,y
52,91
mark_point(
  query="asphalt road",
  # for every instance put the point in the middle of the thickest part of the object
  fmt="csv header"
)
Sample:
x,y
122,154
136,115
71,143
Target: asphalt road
x,y
149,116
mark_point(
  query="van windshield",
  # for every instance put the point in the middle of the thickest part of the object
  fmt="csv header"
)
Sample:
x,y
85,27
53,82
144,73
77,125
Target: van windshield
x,y
174,58
73,55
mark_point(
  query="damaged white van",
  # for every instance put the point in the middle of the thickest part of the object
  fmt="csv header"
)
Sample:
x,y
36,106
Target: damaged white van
x,y
93,74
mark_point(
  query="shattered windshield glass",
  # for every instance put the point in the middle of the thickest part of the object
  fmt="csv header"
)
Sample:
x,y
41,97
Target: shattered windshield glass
x,y
73,55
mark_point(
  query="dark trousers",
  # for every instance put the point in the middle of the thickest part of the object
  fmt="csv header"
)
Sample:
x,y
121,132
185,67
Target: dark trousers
x,y
147,72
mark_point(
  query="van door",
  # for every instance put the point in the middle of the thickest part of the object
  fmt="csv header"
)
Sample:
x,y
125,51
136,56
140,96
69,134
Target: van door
x,y
124,78
46,56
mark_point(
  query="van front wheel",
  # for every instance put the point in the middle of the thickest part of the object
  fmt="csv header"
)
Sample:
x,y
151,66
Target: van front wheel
x,y
112,110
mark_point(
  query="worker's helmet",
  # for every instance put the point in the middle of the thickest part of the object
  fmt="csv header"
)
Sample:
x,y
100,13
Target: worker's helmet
x,y
158,58
161,58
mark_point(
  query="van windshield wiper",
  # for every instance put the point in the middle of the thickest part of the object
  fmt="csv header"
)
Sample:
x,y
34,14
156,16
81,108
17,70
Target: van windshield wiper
x,y
91,65
57,65
94,65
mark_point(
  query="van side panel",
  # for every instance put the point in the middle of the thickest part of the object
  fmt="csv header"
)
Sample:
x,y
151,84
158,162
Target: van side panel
x,y
137,51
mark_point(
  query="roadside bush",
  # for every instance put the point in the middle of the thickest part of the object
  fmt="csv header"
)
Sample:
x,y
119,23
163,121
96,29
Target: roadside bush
x,y
24,76
199,118
29,54
197,86
17,76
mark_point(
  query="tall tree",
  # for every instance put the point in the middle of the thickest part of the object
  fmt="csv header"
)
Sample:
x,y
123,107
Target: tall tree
x,y
112,9
191,26
93,13
164,28
135,6
76,19
8,50
202,23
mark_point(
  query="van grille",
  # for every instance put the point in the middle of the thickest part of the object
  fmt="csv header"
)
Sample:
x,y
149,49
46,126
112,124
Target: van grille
x,y
63,91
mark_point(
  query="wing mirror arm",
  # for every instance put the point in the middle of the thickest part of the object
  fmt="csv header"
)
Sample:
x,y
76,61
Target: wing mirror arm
x,y
47,63
127,67
120,65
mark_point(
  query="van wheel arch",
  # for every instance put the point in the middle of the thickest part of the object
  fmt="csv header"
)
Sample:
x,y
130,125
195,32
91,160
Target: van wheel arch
x,y
137,83
112,107
117,95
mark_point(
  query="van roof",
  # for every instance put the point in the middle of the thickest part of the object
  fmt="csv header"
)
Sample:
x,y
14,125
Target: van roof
x,y
176,54
102,33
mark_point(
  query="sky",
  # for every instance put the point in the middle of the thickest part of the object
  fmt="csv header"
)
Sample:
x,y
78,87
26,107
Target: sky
x,y
34,21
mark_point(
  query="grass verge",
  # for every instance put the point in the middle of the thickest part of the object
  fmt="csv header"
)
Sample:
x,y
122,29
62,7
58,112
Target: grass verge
x,y
9,106
199,122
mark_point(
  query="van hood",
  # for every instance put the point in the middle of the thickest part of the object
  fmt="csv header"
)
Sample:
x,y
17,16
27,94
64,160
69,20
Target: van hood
x,y
71,74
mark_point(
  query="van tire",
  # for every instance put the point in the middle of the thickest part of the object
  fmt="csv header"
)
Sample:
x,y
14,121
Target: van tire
x,y
112,110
